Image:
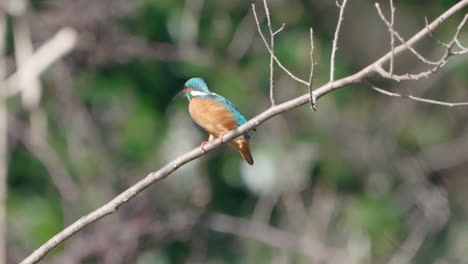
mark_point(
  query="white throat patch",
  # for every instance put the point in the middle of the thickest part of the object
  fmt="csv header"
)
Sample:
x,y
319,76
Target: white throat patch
x,y
197,93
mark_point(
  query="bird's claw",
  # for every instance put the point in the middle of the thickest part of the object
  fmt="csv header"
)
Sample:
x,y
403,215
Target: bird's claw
x,y
202,146
221,137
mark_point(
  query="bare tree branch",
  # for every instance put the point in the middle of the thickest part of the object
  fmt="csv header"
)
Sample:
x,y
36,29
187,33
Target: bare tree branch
x,y
408,76
313,100
335,39
294,77
402,40
433,37
437,65
419,99
392,37
272,47
162,173
457,34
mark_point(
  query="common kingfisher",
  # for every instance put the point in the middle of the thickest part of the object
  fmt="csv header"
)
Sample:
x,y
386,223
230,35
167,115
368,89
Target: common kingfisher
x,y
216,115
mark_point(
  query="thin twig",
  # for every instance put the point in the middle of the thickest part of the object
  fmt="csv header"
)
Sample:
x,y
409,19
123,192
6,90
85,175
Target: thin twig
x,y
337,4
408,76
279,29
433,37
459,52
402,40
461,47
392,37
419,99
272,53
437,65
458,32
335,39
272,47
313,100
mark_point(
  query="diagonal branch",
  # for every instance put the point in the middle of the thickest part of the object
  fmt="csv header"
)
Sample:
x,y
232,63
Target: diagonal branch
x,y
415,98
165,171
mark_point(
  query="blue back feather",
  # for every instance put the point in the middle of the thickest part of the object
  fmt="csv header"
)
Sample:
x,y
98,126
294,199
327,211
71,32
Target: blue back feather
x,y
240,119
231,107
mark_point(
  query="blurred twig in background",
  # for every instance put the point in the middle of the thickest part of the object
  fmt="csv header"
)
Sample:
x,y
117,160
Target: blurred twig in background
x,y
3,140
30,65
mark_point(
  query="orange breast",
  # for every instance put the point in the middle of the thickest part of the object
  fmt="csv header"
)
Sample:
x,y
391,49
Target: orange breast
x,y
216,120
211,116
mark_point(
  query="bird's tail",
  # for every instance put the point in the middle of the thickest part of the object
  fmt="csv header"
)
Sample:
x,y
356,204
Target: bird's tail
x,y
244,149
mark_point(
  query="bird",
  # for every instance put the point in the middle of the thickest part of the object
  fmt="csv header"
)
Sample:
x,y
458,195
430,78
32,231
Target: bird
x,y
216,115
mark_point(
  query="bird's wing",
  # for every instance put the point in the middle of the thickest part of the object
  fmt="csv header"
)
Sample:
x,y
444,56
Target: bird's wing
x,y
240,119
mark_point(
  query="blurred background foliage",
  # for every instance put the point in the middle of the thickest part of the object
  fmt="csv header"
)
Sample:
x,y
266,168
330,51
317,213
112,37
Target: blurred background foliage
x,y
365,179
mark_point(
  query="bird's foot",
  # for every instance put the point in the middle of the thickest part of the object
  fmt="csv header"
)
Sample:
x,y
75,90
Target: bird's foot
x,y
202,146
221,137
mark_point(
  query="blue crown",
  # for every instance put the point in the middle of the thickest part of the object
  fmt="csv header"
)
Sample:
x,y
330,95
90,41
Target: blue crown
x,y
198,84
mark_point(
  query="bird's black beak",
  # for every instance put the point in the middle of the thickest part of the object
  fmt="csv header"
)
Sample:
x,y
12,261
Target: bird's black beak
x,y
179,95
